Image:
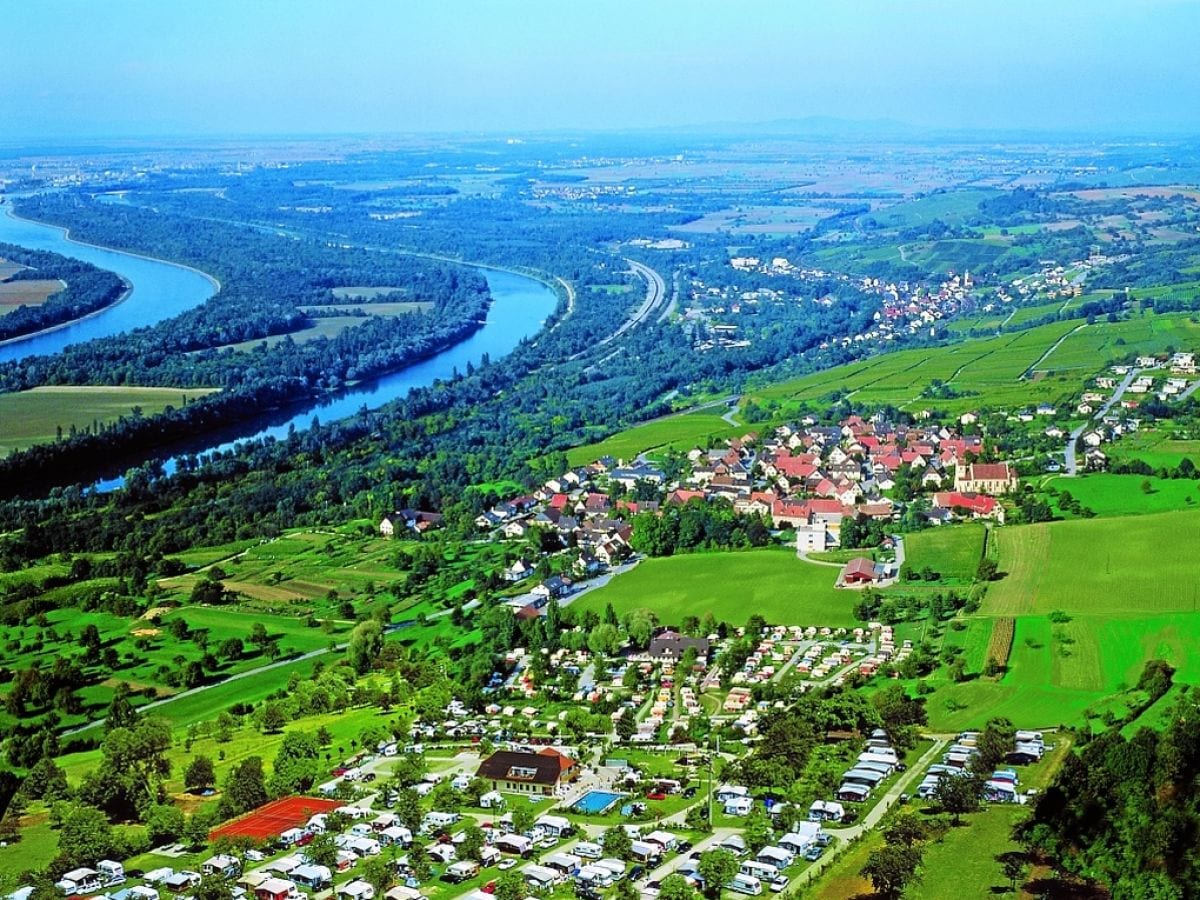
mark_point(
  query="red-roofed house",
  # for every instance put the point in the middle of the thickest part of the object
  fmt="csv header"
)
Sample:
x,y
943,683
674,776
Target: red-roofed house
x,y
978,506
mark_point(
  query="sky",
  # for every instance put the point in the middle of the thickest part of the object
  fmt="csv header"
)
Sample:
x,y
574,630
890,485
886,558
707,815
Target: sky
x,y
129,68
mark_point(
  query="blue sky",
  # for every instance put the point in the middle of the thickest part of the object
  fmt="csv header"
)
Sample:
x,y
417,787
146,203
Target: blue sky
x,y
223,67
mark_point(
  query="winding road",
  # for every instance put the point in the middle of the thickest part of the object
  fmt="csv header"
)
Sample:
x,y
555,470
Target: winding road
x,y
1072,465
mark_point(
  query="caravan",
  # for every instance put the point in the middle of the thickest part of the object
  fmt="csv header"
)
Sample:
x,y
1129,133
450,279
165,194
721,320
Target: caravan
x,y
745,884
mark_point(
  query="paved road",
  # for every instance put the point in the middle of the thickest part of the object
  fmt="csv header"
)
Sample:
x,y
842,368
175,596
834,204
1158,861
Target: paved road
x,y
1072,466
656,296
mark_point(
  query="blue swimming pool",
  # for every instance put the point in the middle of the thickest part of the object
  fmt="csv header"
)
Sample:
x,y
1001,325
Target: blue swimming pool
x,y
596,802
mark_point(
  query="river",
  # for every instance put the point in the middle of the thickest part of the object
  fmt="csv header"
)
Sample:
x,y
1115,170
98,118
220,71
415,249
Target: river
x,y
520,305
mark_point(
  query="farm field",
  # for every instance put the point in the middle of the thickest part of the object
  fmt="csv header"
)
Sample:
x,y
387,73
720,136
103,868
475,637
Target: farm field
x,y
1110,567
34,416
33,292
1154,447
1095,346
985,372
773,583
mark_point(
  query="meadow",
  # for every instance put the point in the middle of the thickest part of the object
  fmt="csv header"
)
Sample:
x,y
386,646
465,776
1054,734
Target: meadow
x,y
681,432
36,416
1124,495
773,583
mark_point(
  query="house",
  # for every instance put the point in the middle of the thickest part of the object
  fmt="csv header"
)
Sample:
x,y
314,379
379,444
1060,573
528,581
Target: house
x,y
977,506
519,571
985,478
416,520
528,773
672,645
859,570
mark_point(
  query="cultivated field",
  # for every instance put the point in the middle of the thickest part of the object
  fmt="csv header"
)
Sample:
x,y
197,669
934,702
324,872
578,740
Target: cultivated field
x,y
34,416
1119,567
27,293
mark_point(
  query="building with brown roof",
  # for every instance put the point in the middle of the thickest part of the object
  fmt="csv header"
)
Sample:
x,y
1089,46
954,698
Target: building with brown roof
x,y
520,772
985,478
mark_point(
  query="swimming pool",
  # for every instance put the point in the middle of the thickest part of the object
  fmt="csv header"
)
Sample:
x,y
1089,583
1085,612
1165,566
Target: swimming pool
x,y
596,802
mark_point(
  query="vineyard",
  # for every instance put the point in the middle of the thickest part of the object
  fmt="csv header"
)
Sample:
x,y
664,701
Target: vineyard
x,y
1000,645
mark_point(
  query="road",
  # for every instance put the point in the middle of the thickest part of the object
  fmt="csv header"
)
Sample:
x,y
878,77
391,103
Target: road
x,y
656,296
1072,465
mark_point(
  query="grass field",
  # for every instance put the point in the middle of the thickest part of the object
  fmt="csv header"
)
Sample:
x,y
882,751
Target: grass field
x,y
773,583
953,552
962,863
682,432
1122,495
1130,566
1097,345
33,416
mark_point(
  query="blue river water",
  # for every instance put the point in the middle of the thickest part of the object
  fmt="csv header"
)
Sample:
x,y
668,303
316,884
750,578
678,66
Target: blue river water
x,y
520,305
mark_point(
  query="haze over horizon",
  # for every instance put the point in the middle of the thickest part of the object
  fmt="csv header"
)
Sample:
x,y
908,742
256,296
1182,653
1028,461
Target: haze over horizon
x,y
137,68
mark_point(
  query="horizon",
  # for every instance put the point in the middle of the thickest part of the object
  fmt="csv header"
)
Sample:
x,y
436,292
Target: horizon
x,y
138,70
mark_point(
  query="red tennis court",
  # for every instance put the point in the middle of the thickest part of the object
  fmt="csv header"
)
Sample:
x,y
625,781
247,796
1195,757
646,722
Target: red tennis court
x,y
274,818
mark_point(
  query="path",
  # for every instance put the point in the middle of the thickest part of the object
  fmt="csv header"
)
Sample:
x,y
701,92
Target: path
x,y
1072,464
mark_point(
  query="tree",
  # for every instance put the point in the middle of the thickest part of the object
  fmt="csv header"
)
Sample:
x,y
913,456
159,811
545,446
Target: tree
x,y
1013,867
906,830
323,849
523,817
957,795
246,789
85,837
121,713
297,764
891,869
615,841
212,887
625,890
605,639
676,887
273,718
717,868
986,570
164,823
408,809
473,843
199,775
365,645
757,829
510,885
45,781
625,725
377,872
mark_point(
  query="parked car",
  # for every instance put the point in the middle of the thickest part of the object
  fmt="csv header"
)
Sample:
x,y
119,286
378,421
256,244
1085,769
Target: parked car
x,y
689,793
779,884
683,846
823,839
636,872
506,863
657,795
813,853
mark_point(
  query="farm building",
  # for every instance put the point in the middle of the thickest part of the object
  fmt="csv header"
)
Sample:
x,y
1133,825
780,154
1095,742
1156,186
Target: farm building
x,y
859,570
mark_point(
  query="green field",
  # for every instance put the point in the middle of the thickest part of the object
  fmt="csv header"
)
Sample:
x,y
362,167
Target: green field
x,y
773,583
1095,346
1122,495
962,862
34,416
682,432
1130,566
953,552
